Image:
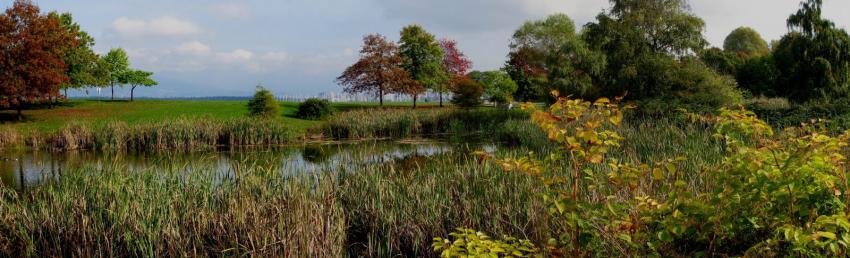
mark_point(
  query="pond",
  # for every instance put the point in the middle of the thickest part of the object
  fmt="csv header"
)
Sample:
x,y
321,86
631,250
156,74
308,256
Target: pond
x,y
25,169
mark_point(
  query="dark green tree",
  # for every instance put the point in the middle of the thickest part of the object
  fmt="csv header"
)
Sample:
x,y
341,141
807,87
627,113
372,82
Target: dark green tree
x,y
498,85
314,109
745,42
648,46
467,93
263,105
813,59
422,59
549,54
721,61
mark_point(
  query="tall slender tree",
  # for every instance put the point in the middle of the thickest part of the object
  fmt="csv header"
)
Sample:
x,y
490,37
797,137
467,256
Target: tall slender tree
x,y
378,71
455,63
116,64
31,56
423,59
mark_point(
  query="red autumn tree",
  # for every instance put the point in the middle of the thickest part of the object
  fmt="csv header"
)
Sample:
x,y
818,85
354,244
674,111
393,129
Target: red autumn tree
x,y
31,56
378,70
455,63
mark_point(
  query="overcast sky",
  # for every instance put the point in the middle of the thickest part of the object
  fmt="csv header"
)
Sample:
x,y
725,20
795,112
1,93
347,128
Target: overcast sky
x,y
298,47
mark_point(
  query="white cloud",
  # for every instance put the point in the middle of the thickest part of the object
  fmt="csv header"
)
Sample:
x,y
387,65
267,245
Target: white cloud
x,y
235,56
278,57
194,48
230,10
160,26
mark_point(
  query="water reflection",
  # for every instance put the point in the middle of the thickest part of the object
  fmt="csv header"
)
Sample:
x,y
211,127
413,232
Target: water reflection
x,y
23,169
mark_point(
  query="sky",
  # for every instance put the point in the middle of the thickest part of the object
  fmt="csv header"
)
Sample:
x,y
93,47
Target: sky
x,y
199,48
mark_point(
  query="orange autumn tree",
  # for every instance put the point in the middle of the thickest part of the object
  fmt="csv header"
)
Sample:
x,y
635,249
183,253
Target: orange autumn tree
x,y
378,71
31,57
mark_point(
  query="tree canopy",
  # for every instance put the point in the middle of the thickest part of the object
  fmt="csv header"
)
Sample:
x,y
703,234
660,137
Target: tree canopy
x,y
31,55
455,64
116,64
549,54
813,59
745,41
648,47
498,85
80,59
138,78
422,58
378,70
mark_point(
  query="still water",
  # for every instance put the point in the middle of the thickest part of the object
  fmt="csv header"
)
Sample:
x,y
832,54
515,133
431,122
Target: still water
x,y
24,169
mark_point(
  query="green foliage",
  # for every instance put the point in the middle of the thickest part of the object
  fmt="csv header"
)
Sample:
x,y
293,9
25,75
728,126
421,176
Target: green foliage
x,y
263,104
745,41
116,63
81,60
469,243
498,85
723,62
467,93
401,123
314,109
648,55
422,58
138,78
549,54
813,60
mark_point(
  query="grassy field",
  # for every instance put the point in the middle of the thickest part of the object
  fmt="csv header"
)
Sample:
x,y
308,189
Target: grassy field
x,y
98,112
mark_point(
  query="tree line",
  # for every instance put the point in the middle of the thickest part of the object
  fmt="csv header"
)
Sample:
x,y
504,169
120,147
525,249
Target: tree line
x,y
420,62
41,54
629,52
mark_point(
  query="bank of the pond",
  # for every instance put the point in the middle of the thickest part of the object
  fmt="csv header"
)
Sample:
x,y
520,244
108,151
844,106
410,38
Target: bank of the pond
x,y
192,133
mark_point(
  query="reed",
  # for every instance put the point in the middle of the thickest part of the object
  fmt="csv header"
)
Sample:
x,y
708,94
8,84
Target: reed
x,y
180,134
395,123
196,212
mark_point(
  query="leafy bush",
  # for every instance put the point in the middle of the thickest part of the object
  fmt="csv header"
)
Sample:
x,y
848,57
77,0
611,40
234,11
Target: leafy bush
x,y
263,104
774,194
467,93
314,109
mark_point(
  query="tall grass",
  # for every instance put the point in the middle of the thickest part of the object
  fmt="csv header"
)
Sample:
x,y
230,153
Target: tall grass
x,y
181,134
112,212
262,210
394,123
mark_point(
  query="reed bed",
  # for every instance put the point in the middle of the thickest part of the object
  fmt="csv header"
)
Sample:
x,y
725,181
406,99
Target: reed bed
x,y
177,134
265,209
396,123
113,212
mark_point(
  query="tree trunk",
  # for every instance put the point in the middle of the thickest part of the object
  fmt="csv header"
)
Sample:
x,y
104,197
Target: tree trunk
x,y
113,92
381,97
415,96
441,99
20,116
66,93
131,93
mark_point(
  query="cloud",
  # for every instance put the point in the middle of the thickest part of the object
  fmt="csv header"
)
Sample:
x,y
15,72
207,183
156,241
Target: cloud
x,y
235,56
230,10
477,16
194,48
160,26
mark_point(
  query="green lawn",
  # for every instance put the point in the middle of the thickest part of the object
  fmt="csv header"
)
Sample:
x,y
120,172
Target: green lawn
x,y
143,111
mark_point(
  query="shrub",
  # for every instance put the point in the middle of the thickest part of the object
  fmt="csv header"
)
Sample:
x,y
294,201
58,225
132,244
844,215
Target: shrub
x,y
263,104
468,93
773,195
314,109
